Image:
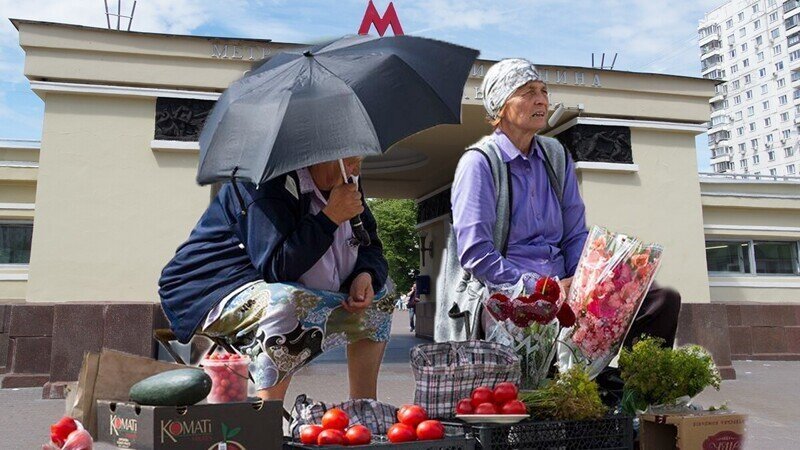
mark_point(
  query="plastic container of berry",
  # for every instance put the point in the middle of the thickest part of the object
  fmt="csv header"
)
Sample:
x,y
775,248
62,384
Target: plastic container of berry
x,y
229,377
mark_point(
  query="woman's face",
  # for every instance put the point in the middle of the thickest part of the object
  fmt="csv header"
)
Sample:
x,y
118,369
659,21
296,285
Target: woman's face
x,y
327,175
527,107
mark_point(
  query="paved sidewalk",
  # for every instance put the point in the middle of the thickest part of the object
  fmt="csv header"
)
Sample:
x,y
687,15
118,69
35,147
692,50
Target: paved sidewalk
x,y
765,390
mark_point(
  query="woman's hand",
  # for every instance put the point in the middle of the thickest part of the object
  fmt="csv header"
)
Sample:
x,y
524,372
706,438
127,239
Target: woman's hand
x,y
565,285
361,294
344,203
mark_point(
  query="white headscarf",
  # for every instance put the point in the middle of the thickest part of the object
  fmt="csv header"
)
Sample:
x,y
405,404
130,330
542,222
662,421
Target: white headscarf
x,y
502,79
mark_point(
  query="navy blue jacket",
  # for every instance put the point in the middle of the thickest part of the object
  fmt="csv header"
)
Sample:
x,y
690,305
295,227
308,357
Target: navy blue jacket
x,y
277,240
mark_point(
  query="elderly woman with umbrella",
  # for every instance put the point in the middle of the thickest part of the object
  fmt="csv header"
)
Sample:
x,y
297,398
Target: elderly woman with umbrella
x,y
286,263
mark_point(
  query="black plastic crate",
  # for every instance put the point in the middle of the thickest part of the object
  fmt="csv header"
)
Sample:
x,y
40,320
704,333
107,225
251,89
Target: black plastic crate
x,y
611,433
448,443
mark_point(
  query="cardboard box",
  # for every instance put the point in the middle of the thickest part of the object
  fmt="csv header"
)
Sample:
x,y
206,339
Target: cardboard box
x,y
701,430
225,426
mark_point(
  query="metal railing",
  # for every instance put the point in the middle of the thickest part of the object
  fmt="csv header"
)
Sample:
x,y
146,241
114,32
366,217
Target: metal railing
x,y
751,177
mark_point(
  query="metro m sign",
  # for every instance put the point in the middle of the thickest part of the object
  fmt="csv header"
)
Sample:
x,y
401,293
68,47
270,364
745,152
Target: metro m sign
x,y
371,17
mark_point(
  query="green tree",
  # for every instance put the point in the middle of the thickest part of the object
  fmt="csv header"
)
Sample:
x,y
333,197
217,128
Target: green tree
x,y
396,220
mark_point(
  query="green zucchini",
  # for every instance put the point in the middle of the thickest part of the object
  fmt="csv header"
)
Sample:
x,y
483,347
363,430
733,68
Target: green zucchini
x,y
180,387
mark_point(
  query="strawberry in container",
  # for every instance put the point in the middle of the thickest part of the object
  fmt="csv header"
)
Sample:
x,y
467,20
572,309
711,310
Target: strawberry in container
x,y
229,377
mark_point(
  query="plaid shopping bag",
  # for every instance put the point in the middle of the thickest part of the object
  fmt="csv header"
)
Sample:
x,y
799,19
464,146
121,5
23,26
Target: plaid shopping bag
x,y
447,372
376,416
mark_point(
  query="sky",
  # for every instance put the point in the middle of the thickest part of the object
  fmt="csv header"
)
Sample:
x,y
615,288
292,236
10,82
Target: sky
x,y
648,36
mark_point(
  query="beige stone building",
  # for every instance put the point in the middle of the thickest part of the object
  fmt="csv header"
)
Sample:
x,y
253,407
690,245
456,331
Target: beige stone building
x,y
110,192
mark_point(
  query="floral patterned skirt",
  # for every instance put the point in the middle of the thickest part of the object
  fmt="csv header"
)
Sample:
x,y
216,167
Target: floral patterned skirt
x,y
283,326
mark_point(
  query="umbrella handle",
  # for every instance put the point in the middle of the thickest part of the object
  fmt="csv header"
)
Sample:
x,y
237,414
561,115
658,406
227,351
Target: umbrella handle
x,y
360,235
236,191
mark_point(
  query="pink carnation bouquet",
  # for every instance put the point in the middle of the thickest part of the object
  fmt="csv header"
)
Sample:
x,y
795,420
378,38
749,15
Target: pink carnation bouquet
x,y
611,280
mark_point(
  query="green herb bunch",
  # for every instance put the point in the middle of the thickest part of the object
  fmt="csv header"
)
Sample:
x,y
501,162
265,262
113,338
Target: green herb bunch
x,y
655,375
571,396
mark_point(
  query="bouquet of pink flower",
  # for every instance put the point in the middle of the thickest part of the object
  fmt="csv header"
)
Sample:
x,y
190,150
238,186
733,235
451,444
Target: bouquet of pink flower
x,y
529,324
611,280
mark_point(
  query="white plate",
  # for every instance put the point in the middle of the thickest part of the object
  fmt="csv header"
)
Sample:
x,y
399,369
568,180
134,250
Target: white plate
x,y
492,418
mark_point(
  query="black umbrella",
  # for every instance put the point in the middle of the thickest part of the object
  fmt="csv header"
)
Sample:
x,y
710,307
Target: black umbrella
x,y
355,96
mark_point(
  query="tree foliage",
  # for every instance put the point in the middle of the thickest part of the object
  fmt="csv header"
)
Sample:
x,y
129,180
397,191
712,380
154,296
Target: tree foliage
x,y
396,220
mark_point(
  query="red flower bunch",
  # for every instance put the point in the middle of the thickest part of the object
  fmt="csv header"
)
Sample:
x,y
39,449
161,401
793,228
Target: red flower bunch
x,y
542,306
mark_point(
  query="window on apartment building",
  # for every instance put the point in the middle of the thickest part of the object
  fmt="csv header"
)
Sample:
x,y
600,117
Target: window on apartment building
x,y
748,94
793,40
753,144
746,62
773,16
786,133
762,72
771,3
775,34
742,147
752,126
779,65
734,68
747,79
777,50
759,41
788,151
767,123
757,24
741,16
794,55
740,131
773,172
781,83
744,47
771,155
790,169
750,111
742,32
755,159
765,105
769,136
738,116
731,39
15,242
735,84
729,24
737,99
783,99
743,164
784,116
764,89
732,54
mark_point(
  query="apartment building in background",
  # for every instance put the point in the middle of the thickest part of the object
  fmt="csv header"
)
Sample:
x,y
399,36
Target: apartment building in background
x,y
753,48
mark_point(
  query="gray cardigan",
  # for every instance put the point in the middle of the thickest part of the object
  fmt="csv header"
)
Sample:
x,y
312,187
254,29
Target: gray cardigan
x,y
460,292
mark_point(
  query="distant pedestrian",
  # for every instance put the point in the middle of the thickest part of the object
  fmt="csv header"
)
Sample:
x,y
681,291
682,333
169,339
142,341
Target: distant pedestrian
x,y
411,304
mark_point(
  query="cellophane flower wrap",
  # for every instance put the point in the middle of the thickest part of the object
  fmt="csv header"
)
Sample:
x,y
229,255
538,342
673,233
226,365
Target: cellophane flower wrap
x,y
613,276
527,317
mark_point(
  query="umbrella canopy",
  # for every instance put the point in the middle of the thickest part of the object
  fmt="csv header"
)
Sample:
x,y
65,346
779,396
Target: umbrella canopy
x,y
355,96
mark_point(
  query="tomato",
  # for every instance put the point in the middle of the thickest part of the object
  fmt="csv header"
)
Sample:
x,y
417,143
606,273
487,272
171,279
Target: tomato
x,y
430,430
335,419
401,432
411,415
358,435
514,407
464,406
505,392
309,434
331,437
486,408
480,395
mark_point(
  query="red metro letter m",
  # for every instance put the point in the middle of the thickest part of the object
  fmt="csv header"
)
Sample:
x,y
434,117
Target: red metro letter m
x,y
371,17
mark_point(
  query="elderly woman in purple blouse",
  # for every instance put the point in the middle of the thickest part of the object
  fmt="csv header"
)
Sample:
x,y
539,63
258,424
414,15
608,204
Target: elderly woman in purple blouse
x,y
528,216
